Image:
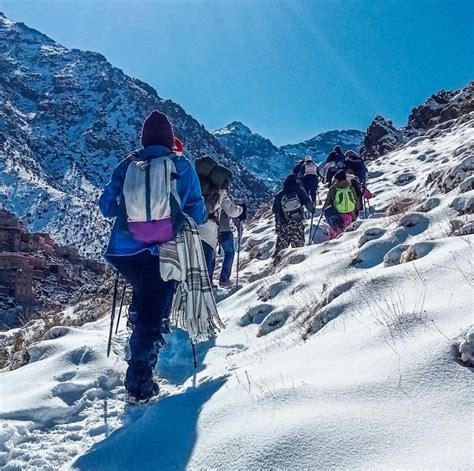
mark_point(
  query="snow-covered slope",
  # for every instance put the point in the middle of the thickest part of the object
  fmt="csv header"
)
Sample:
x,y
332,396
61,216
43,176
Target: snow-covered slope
x,y
66,118
271,164
343,356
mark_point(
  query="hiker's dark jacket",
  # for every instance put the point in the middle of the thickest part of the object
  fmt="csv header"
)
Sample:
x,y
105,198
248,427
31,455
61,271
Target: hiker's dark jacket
x,y
291,187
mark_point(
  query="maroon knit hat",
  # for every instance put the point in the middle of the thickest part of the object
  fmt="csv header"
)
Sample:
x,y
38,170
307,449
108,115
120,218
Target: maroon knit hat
x,y
157,131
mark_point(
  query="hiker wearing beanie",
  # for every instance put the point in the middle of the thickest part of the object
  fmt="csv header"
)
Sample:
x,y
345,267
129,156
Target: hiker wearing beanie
x,y
288,208
340,207
149,195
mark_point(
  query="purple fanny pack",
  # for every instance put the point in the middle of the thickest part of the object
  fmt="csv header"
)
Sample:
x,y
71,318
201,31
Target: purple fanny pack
x,y
153,232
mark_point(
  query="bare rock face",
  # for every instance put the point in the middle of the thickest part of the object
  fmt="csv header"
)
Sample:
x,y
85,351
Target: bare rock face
x,y
382,137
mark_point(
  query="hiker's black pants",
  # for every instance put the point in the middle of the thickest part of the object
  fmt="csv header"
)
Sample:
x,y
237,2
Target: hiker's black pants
x,y
152,298
310,183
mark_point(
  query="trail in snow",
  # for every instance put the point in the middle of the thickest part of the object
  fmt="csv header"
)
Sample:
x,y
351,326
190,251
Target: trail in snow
x,y
343,356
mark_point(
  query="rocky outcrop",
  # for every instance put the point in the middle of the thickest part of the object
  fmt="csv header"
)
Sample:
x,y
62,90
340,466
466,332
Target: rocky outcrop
x,y
442,109
382,137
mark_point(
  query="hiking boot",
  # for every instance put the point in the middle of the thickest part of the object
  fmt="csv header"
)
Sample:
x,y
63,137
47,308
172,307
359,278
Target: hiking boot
x,y
140,398
165,327
225,284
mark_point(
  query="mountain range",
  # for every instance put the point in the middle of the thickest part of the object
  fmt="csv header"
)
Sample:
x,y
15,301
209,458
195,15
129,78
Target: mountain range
x,y
270,163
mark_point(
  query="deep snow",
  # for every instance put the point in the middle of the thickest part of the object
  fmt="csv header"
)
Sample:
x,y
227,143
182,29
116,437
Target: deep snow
x,y
344,356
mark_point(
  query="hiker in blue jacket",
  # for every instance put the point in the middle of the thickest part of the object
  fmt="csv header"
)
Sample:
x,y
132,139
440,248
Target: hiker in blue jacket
x,y
288,208
138,261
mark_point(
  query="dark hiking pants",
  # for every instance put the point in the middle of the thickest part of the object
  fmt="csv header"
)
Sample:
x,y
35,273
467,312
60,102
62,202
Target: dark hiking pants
x,y
226,240
210,257
310,183
289,233
152,298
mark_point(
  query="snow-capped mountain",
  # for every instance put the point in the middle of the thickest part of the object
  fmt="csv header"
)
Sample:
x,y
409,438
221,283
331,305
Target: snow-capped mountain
x,y
66,118
354,353
256,153
270,163
320,146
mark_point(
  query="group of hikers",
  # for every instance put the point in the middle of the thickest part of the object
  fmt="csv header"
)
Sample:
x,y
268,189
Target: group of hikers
x,y
171,217
345,174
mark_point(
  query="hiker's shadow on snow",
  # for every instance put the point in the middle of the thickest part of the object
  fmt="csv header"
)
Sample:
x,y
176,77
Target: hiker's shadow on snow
x,y
161,437
176,362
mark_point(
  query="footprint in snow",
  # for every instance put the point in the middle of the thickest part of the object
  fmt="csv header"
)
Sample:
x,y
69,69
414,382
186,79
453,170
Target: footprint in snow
x,y
69,392
405,178
371,234
275,320
268,292
428,205
416,223
65,377
256,314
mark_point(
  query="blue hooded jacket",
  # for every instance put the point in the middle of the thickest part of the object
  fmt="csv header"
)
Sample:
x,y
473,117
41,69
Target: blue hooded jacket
x,y
291,186
112,202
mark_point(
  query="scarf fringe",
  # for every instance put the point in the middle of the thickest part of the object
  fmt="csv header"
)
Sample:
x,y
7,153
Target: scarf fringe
x,y
194,306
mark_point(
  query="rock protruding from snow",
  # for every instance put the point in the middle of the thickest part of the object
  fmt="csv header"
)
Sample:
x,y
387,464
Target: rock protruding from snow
x,y
382,137
466,348
441,107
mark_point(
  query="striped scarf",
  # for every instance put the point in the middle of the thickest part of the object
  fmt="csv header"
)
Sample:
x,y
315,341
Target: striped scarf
x,y
194,307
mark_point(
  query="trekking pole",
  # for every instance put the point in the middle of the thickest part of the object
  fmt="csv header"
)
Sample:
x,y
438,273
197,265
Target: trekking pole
x,y
310,228
317,226
238,251
112,317
121,305
194,355
368,204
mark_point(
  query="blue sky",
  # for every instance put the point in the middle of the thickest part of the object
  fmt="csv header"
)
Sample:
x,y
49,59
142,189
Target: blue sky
x,y
287,69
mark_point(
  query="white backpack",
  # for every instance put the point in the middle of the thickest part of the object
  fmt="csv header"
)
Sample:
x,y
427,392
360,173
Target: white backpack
x,y
151,200
310,168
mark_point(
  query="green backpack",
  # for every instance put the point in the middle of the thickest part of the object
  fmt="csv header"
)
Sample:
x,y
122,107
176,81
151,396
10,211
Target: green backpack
x,y
344,201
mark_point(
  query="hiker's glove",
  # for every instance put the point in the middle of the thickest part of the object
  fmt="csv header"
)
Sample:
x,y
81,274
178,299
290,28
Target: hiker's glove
x,y
243,215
